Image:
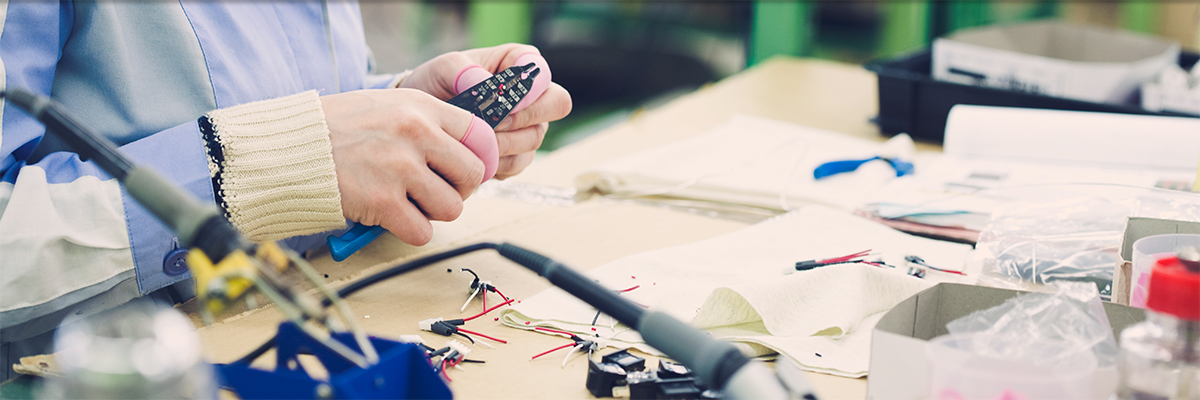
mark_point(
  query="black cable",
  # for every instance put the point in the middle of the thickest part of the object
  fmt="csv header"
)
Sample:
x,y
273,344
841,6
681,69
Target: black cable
x,y
466,336
439,352
373,279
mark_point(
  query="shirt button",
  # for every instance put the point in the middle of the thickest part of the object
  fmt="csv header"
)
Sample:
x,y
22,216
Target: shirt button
x,y
175,263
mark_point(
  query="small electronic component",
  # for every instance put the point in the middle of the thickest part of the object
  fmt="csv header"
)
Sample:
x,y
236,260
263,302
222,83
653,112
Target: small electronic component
x,y
622,374
921,262
478,286
626,361
859,257
453,326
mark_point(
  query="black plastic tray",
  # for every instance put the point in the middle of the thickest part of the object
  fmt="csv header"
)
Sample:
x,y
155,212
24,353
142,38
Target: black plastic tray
x,y
912,102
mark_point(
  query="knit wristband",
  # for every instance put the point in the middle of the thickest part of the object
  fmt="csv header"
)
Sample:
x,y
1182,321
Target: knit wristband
x,y
272,169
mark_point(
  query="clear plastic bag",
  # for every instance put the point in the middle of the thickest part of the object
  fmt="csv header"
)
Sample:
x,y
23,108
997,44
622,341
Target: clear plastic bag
x,y
1077,239
1070,234
1043,328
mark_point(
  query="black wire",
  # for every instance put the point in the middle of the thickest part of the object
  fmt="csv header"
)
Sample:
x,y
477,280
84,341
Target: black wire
x,y
466,336
373,279
439,352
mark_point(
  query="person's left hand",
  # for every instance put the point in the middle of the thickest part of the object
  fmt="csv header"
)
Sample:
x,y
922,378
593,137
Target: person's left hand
x,y
521,133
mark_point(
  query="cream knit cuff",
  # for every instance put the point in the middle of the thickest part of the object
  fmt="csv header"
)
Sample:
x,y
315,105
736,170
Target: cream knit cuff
x,y
399,79
273,168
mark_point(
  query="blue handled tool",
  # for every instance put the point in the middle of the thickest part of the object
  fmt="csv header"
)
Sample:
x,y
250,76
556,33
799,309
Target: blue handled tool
x,y
491,100
836,167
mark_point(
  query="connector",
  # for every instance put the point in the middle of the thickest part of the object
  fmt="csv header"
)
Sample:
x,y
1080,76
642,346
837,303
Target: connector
x,y
459,347
412,339
626,361
426,324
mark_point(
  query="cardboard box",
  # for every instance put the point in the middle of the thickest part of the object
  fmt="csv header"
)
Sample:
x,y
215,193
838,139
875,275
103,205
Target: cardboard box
x,y
1054,59
1137,228
898,366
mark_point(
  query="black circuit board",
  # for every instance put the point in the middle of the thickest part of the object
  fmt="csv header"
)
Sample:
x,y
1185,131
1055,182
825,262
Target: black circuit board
x,y
495,97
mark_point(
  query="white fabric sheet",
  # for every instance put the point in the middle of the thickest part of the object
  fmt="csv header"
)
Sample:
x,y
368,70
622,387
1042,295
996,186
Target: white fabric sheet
x,y
738,286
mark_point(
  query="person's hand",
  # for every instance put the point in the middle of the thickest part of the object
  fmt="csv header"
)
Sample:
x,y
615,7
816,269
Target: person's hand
x,y
521,133
398,159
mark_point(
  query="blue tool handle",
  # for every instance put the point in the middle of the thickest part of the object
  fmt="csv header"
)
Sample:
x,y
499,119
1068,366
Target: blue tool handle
x,y
837,167
902,167
356,238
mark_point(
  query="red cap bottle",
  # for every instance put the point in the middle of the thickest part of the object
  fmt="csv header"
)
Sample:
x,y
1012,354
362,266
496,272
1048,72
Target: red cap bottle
x,y
1175,288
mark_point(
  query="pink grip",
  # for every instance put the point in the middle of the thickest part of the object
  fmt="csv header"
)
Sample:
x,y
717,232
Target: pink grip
x,y
540,82
469,76
481,140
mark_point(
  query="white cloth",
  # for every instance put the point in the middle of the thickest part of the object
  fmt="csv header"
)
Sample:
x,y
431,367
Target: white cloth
x,y
705,281
752,161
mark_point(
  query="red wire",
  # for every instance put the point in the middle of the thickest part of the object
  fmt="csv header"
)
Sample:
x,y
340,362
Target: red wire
x,y
481,335
553,330
846,258
501,294
487,311
554,350
444,371
630,289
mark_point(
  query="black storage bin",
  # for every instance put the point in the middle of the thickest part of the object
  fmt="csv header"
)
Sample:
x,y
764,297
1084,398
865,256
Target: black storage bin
x,y
912,102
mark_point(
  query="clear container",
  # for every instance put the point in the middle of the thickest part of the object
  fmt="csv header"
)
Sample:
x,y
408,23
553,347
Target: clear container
x,y
958,371
140,350
1146,251
1155,359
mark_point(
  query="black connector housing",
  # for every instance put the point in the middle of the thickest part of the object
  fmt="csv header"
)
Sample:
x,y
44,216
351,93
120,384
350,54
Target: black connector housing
x,y
626,361
603,377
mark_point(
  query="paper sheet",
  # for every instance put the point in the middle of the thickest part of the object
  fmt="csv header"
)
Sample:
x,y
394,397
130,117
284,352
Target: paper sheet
x,y
1104,140
680,280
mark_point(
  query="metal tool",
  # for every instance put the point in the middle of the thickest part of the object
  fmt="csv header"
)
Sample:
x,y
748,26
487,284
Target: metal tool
x,y
491,100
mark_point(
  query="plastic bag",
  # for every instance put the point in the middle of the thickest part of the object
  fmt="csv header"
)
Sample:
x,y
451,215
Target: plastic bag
x,y
1070,234
1043,328
1076,239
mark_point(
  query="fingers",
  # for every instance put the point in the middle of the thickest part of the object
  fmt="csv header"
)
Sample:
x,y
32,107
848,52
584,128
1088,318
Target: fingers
x,y
436,200
470,75
553,105
408,223
514,164
522,140
463,169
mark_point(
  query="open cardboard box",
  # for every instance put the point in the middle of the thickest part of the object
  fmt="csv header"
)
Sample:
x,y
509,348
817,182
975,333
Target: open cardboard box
x,y
1054,58
898,366
1137,228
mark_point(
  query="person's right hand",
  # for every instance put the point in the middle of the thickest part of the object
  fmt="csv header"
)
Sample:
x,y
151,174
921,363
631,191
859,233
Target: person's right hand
x,y
398,159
